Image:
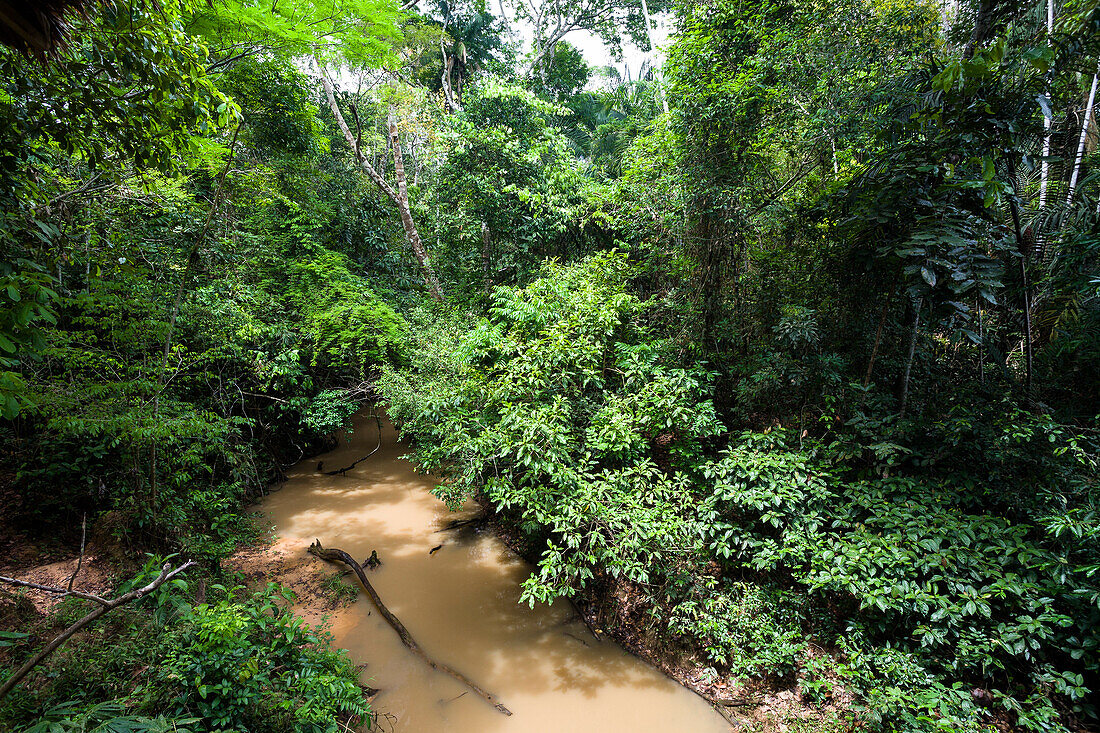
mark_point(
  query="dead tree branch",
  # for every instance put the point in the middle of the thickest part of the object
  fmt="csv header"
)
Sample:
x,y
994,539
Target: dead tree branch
x,y
345,469
106,605
335,555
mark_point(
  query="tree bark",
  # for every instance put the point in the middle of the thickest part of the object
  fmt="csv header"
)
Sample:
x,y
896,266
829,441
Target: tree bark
x,y
486,259
981,342
334,555
1084,137
399,197
653,53
878,338
1048,124
983,27
193,253
448,65
406,215
1014,207
542,51
445,79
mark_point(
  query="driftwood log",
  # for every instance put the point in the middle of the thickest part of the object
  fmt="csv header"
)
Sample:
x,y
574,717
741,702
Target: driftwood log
x,y
335,555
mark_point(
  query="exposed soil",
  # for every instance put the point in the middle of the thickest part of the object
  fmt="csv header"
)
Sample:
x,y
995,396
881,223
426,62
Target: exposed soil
x,y
318,589
97,576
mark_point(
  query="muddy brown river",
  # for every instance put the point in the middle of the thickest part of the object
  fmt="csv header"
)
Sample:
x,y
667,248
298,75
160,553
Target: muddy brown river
x,y
461,605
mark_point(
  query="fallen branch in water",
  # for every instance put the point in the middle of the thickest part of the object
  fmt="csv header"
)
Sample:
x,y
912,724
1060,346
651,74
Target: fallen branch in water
x,y
588,624
345,469
460,523
334,555
105,605
574,637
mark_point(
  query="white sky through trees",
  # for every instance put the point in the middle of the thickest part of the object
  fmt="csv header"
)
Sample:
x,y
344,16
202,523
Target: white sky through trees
x,y
595,52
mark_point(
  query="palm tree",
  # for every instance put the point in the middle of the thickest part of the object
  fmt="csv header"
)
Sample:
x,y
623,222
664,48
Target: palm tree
x,y
37,27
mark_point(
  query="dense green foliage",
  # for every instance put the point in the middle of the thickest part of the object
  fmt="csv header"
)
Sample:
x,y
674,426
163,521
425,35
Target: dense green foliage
x,y
803,412
804,364
242,662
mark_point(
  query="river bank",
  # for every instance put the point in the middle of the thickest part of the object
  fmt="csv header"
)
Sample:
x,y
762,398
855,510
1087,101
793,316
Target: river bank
x,y
457,592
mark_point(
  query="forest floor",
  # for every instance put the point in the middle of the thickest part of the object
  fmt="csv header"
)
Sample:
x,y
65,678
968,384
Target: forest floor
x,y
52,559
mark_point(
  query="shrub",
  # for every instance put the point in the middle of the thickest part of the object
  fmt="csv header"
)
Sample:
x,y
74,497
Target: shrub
x,y
254,666
567,413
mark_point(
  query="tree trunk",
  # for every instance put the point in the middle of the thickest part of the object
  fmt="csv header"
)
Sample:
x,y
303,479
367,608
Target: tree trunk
x,y
399,197
878,338
983,27
448,66
903,399
1084,137
486,259
406,215
1014,207
653,53
541,52
1048,123
981,342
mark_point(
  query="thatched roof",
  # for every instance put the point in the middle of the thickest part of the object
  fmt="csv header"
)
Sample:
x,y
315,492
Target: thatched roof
x,y
37,27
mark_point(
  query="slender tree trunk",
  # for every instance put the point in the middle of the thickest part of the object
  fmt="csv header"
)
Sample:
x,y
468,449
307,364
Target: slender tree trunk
x,y
406,215
878,338
399,197
653,53
981,342
448,66
504,19
904,398
193,255
486,260
983,27
948,10
1014,207
445,80
541,52
1084,136
1048,123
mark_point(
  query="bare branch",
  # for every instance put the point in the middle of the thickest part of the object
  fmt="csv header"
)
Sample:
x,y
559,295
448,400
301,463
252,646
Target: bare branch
x,y
53,589
166,574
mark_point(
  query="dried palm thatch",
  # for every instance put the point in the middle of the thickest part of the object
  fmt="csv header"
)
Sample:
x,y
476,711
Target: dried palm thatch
x,y
38,27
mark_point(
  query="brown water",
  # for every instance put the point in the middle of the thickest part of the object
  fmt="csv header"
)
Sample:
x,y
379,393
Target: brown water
x,y
460,603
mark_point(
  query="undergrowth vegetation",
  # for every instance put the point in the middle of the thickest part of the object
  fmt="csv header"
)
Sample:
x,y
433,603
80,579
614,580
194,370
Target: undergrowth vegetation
x,y
784,356
930,575
239,660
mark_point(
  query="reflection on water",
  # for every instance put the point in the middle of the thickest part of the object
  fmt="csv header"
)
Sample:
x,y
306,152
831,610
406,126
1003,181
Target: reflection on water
x,y
460,604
